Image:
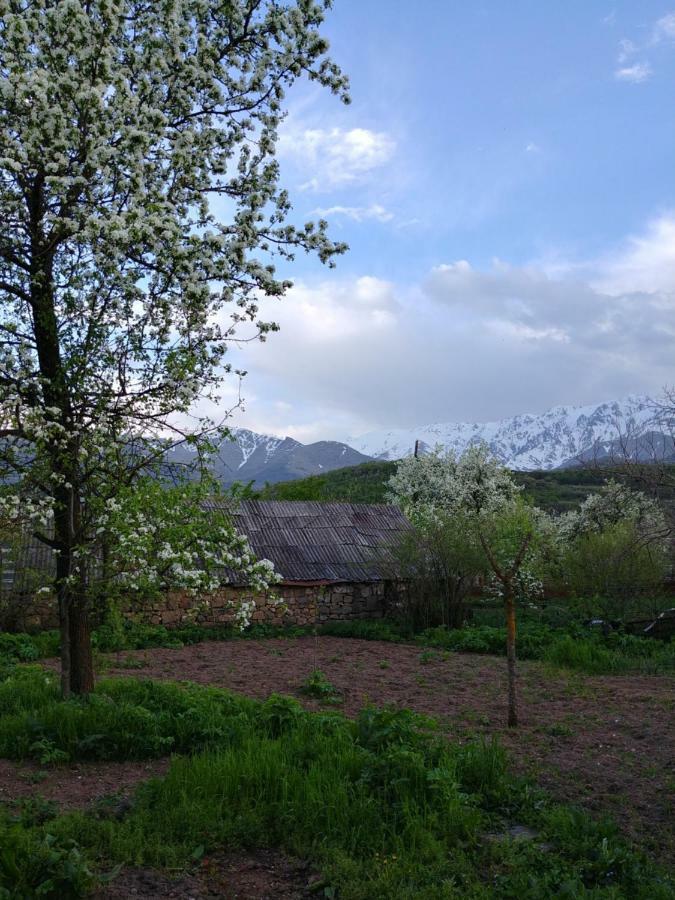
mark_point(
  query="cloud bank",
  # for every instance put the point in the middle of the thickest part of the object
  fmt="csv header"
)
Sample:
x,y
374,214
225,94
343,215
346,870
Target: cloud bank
x,y
466,343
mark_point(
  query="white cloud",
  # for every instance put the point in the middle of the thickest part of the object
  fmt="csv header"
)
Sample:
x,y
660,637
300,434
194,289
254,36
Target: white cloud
x,y
635,74
645,263
336,157
466,343
532,148
664,30
358,213
626,50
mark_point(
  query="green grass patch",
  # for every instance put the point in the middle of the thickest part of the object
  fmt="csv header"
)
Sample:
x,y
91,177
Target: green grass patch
x,y
382,804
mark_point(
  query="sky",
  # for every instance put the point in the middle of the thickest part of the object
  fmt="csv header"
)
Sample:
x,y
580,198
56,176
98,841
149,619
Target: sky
x,y
505,180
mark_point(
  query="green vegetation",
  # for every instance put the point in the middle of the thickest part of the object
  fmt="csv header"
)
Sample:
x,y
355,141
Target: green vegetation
x,y
320,688
382,805
366,483
558,490
558,639
573,647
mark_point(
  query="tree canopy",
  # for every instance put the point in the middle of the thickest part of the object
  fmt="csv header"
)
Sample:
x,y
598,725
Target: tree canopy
x,y
141,218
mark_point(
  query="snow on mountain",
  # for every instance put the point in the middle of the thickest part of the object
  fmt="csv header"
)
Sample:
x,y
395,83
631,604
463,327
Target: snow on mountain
x,y
546,441
249,456
250,441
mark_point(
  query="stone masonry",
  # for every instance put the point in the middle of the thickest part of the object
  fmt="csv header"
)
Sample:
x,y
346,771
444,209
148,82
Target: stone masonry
x,y
292,604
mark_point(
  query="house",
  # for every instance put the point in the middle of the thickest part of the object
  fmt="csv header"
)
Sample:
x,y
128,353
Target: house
x,y
335,561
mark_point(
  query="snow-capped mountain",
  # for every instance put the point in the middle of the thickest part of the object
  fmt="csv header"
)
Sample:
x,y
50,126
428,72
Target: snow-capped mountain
x,y
561,436
249,456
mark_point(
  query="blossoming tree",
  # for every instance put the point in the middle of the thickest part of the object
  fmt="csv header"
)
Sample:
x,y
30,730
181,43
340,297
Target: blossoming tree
x,y
121,122
476,494
614,552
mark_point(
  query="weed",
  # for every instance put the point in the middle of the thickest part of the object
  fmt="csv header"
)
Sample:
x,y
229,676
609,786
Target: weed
x,y
318,686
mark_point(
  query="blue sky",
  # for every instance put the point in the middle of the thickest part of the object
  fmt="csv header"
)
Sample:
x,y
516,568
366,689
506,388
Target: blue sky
x,y
505,178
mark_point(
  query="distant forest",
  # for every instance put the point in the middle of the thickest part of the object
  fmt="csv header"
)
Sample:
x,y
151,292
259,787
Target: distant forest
x,y
556,490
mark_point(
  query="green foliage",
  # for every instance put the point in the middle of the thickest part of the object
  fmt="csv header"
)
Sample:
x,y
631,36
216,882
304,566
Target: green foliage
x,y
318,686
385,806
123,719
616,569
439,562
366,483
36,864
366,629
577,648
557,490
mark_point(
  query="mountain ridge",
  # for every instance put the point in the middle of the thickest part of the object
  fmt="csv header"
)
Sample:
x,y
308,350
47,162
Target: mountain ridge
x,y
553,439
561,437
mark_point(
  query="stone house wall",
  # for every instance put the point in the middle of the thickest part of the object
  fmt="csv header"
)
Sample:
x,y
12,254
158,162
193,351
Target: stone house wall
x,y
297,604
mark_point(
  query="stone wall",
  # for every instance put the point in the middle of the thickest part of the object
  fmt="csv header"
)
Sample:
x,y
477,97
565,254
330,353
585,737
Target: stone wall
x,y
294,605
297,604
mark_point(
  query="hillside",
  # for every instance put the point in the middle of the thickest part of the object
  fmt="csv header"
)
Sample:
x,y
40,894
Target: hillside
x,y
556,491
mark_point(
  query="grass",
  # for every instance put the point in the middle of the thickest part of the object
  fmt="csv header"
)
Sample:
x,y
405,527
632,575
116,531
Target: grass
x,y
316,685
575,647
381,804
572,646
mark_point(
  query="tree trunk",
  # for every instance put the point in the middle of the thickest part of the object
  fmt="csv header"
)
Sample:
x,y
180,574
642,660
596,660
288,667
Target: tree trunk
x,y
81,657
76,657
510,607
62,571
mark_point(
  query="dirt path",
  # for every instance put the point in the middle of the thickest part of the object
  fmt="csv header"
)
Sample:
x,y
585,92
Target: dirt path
x,y
607,743
75,786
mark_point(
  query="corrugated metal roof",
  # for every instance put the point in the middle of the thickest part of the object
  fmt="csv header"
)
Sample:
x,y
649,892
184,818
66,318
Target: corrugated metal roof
x,y
306,541
313,541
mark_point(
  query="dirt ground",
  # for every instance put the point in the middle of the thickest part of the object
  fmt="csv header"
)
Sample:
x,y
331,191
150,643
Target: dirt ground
x,y
604,742
261,875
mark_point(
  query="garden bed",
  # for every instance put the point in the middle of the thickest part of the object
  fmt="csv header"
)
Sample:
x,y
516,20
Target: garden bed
x,y
273,795
605,742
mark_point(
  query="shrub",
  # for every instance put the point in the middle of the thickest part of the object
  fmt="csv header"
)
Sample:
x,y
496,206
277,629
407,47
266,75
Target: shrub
x,y
35,865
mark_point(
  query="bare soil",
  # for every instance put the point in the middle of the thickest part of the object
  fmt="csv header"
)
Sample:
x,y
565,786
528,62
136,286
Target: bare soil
x,y
77,785
606,743
259,875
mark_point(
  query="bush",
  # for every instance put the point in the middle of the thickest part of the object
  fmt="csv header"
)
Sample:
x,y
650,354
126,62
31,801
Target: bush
x,y
38,865
576,648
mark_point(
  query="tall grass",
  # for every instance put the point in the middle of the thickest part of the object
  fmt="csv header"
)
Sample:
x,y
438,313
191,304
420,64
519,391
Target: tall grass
x,y
382,805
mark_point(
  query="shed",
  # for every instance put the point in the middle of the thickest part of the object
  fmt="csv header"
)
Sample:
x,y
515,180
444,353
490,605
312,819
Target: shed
x,y
335,561
311,542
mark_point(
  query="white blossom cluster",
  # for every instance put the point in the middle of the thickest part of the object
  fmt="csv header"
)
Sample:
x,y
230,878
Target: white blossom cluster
x,y
126,128
439,482
614,504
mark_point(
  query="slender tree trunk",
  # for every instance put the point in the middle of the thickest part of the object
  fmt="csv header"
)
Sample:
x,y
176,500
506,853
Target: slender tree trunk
x,y
62,571
510,608
76,656
81,657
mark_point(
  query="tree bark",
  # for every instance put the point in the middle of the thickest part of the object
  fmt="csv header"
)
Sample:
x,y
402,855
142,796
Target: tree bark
x,y
81,657
510,608
76,655
62,572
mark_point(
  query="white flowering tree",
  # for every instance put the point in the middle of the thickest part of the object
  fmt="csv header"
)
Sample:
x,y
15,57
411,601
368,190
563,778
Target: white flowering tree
x,y
614,551
140,217
477,495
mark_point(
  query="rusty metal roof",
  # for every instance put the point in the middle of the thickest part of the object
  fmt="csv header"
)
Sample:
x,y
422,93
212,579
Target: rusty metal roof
x,y
309,541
